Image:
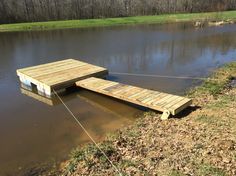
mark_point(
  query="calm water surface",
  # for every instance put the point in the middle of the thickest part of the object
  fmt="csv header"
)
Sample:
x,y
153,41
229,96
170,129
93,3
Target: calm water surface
x,y
33,133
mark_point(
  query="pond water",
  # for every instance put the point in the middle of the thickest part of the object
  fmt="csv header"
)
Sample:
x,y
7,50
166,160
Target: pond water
x,y
33,133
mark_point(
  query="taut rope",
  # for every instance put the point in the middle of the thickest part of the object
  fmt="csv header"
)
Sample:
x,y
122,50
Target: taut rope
x,y
158,76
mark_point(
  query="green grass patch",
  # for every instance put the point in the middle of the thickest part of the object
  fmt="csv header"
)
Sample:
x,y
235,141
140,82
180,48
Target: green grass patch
x,y
127,163
167,18
133,133
207,169
175,173
222,102
207,119
217,83
214,88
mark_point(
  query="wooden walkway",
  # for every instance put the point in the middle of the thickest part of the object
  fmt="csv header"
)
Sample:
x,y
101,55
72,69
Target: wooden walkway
x,y
148,98
58,75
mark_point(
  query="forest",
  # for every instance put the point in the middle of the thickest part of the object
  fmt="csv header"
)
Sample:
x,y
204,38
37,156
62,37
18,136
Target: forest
x,y
14,11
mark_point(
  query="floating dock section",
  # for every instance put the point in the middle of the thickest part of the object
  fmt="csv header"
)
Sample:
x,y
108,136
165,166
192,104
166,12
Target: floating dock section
x,y
58,75
63,74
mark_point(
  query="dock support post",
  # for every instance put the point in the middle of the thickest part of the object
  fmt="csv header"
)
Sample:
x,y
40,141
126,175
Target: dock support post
x,y
25,81
44,91
165,115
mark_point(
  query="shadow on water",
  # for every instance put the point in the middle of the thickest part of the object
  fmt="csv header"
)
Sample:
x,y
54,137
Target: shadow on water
x,y
33,132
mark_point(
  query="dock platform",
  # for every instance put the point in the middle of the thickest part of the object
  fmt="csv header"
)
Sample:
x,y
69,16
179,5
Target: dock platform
x,y
167,103
58,75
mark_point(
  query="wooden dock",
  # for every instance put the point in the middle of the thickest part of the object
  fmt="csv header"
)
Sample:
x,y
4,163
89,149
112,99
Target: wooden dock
x,y
63,74
167,103
58,75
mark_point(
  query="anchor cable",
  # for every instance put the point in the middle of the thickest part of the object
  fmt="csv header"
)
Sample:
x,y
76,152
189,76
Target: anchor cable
x,y
158,76
87,133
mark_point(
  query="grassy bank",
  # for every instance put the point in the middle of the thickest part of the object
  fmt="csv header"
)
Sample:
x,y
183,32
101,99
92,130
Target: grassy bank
x,y
199,141
118,21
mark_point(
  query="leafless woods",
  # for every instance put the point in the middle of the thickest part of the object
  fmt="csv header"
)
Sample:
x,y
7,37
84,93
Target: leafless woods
x,y
12,11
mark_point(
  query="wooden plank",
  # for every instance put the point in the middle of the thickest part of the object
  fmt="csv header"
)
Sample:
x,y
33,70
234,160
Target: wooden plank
x,y
104,86
114,88
89,82
156,100
159,102
97,84
138,95
151,98
57,71
180,105
72,81
166,102
54,68
177,100
68,76
145,96
38,67
74,71
131,91
123,90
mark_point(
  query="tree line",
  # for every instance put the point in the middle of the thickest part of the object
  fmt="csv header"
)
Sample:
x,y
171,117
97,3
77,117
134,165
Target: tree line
x,y
12,11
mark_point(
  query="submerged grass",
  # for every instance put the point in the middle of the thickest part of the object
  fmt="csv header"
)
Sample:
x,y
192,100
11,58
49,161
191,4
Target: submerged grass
x,y
201,143
167,18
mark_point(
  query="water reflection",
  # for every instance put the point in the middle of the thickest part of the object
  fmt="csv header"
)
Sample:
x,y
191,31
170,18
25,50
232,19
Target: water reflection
x,y
34,131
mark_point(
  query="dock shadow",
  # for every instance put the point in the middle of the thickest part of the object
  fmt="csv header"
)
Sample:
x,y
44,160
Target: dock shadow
x,y
186,112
